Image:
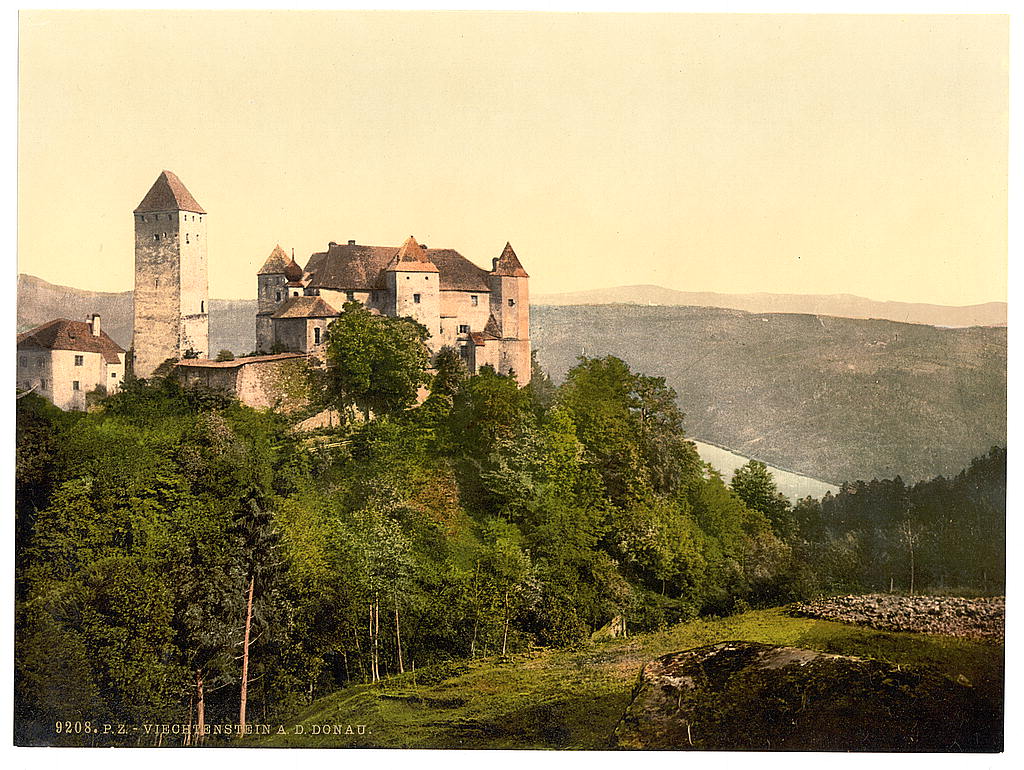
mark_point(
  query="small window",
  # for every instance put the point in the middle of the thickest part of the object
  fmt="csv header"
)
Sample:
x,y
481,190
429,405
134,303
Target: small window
x,y
158,283
22,361
202,306
463,328
113,375
277,295
186,238
75,385
511,303
79,360
295,292
42,385
474,300
39,363
156,236
350,296
316,335
416,298
143,217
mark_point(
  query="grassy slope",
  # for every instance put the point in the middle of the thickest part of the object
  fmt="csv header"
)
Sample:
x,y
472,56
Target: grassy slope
x,y
574,699
837,399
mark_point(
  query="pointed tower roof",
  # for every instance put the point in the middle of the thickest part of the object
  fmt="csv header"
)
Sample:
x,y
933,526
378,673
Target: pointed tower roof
x,y
169,194
277,263
508,264
411,258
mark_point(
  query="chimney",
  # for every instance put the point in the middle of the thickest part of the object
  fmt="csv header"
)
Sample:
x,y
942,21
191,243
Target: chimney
x,y
351,242
94,322
331,245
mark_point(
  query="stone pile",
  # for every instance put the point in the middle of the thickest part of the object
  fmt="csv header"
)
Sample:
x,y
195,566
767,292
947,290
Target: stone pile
x,y
980,618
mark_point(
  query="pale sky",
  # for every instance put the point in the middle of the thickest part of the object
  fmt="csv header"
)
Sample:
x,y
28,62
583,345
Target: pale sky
x,y
797,154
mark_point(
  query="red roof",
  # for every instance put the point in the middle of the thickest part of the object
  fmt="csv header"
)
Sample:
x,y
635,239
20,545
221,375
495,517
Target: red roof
x,y
305,307
62,334
508,264
411,257
354,267
276,264
169,194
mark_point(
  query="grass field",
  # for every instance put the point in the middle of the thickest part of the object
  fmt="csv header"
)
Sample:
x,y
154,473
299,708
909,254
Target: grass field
x,y
574,699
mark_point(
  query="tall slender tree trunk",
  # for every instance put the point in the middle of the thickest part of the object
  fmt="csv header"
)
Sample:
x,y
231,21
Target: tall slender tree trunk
x,y
190,735
398,638
504,635
200,709
245,659
472,642
376,636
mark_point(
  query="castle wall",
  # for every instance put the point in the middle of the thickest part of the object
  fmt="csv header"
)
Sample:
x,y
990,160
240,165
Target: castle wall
x,y
264,334
278,383
405,287
34,369
290,334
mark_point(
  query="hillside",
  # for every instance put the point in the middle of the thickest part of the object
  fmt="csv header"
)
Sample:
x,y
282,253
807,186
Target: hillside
x,y
833,398
232,321
842,305
574,699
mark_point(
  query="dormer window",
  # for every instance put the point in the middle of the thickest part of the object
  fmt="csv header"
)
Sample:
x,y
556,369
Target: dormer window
x,y
350,296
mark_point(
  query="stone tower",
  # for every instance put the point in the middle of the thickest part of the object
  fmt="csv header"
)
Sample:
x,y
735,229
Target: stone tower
x,y
510,308
415,284
171,302
278,279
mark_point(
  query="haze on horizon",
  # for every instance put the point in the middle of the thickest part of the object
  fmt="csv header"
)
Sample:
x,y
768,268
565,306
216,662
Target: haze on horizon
x,y
796,154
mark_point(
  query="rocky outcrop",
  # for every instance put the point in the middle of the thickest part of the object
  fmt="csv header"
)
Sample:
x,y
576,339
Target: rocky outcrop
x,y
981,618
750,696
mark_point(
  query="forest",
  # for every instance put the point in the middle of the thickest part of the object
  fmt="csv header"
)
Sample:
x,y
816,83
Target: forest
x,y
183,559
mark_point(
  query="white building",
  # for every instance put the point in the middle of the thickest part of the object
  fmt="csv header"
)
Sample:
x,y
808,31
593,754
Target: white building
x,y
63,360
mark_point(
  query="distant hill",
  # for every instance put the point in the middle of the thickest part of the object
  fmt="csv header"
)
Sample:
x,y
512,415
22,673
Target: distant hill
x,y
833,398
841,305
232,321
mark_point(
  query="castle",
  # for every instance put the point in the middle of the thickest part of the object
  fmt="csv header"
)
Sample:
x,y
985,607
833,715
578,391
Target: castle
x,y
484,314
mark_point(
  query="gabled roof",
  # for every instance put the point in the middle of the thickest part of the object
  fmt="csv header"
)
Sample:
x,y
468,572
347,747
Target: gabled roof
x,y
492,329
411,258
168,194
305,307
508,264
353,267
276,264
62,334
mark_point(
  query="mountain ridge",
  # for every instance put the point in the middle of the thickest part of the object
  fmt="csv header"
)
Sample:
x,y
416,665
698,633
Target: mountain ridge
x,y
837,305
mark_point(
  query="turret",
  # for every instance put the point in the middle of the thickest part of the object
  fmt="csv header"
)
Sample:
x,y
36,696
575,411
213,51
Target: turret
x,y
414,283
510,309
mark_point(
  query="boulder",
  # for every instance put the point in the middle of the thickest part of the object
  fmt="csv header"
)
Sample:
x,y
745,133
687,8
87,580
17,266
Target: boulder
x,y
749,696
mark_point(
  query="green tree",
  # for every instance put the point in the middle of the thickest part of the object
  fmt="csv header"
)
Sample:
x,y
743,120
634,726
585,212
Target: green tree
x,y
755,486
374,363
